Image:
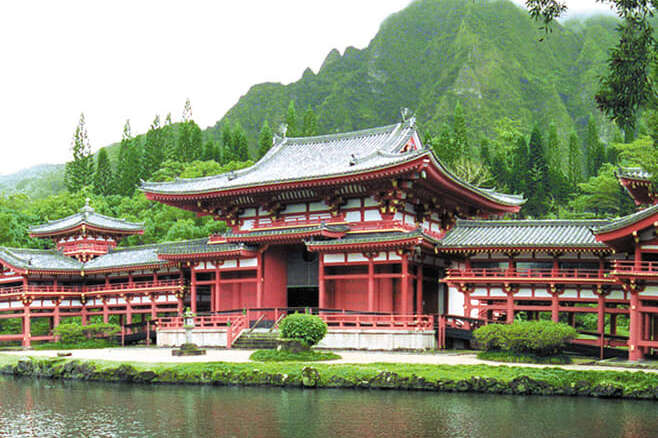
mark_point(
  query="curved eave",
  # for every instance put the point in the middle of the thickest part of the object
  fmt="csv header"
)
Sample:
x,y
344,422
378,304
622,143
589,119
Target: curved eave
x,y
367,246
220,255
87,227
124,268
525,249
414,163
292,237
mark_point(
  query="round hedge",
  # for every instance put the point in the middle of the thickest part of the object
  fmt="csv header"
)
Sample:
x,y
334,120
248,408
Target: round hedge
x,y
309,329
543,338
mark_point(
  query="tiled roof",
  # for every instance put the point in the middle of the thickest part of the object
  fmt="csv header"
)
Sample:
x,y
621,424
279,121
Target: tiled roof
x,y
39,259
359,238
308,158
522,233
633,173
338,228
143,255
87,216
626,220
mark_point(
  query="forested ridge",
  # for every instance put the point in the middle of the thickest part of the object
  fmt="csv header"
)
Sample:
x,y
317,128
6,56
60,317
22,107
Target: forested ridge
x,y
498,106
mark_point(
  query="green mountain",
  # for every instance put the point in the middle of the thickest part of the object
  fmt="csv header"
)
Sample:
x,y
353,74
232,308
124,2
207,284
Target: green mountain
x,y
485,54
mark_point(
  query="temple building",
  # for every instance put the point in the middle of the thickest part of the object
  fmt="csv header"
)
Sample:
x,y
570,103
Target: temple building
x,y
367,229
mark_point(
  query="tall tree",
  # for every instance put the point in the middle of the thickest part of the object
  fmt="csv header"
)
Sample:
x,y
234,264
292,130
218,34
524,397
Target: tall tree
x,y
239,144
291,120
553,147
103,178
443,146
190,138
227,144
574,161
538,175
460,135
520,166
265,139
79,172
594,149
154,148
128,167
310,126
169,138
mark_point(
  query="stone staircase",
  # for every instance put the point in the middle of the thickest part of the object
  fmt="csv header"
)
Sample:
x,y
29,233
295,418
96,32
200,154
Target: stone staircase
x,y
257,341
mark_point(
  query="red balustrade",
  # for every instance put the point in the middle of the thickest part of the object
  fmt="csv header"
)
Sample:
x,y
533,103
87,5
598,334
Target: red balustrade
x,y
632,267
296,222
369,321
54,289
534,273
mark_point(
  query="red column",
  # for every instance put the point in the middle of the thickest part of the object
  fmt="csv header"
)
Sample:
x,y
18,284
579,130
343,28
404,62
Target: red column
x,y
635,328
419,290
154,311
27,341
467,304
322,288
106,311
83,314
259,281
218,277
405,284
510,307
601,314
555,307
613,323
193,289
56,314
638,257
129,312
371,284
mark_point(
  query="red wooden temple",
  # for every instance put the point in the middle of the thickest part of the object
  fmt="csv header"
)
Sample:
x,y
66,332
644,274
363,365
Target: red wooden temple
x,y
366,228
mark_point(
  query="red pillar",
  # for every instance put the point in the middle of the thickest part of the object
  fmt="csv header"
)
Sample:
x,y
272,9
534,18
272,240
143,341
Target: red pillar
x,y
601,314
56,314
635,328
613,323
467,304
555,307
129,312
259,281
371,284
510,307
193,289
405,284
637,257
322,287
217,291
106,311
419,290
27,341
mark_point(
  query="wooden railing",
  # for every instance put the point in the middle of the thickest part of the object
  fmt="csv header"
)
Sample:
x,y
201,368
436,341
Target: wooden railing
x,y
546,273
372,322
295,222
631,267
54,289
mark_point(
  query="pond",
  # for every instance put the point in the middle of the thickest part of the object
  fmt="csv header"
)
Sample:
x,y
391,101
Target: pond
x,y
43,408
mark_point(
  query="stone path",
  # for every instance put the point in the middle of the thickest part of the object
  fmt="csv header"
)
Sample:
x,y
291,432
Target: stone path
x,y
163,355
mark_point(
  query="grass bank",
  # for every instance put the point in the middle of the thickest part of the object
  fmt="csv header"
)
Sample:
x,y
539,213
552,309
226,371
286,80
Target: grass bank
x,y
447,378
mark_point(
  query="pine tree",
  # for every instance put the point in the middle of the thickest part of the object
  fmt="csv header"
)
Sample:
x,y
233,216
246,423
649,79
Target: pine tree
x,y
594,149
265,139
460,135
227,144
209,151
169,138
443,146
239,144
519,166
537,176
485,152
128,168
291,120
103,178
574,161
79,172
310,127
154,148
553,147
190,138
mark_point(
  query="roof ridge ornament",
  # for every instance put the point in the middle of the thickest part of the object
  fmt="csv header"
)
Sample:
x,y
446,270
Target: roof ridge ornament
x,y
87,208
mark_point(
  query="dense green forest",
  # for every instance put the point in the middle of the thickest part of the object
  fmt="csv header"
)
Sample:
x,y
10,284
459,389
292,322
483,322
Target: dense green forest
x,y
499,108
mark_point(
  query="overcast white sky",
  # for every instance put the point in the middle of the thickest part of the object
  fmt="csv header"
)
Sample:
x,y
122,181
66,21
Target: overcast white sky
x,y
118,60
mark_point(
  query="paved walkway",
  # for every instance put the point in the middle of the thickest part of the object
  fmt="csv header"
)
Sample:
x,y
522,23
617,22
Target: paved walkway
x,y
163,355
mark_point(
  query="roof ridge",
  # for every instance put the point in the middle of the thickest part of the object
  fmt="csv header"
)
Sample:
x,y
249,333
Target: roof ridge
x,y
358,133
528,222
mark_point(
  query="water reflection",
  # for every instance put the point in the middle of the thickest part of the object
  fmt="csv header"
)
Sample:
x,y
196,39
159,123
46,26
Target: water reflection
x,y
30,408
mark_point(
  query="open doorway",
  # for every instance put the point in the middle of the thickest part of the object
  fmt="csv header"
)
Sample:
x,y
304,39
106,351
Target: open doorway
x,y
303,297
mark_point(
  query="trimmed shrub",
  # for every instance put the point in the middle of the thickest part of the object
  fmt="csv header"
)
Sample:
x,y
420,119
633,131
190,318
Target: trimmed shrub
x,y
543,338
70,333
100,330
309,329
